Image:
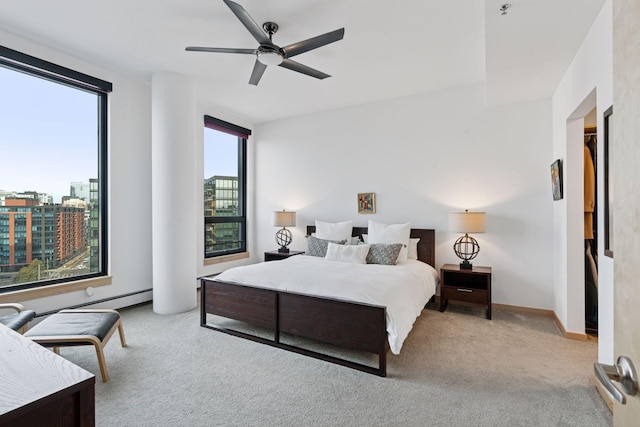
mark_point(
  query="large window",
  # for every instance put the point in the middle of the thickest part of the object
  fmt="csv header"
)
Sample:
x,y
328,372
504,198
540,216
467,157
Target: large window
x,y
225,161
52,173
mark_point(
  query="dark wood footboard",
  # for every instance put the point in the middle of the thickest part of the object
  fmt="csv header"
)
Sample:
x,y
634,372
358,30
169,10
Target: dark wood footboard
x,y
349,325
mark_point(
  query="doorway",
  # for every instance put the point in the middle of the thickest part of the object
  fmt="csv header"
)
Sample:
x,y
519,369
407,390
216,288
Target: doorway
x,y
584,117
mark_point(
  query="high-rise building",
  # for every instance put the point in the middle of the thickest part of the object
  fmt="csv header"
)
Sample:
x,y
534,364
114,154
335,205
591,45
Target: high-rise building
x,y
80,190
6,194
93,228
30,231
221,199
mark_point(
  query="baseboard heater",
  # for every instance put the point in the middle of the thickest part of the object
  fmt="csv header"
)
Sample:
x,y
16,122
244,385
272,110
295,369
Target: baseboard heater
x,y
86,304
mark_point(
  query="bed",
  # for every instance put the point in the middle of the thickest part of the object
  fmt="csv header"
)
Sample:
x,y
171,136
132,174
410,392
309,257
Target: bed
x,y
350,322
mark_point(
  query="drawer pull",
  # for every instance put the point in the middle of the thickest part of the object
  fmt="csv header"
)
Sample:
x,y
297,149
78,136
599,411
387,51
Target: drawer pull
x,y
464,290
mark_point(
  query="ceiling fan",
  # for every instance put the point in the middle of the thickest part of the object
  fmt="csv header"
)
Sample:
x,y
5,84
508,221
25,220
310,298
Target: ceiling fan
x,y
269,53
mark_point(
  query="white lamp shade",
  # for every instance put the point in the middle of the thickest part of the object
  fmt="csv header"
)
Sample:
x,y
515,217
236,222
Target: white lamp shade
x,y
466,222
284,219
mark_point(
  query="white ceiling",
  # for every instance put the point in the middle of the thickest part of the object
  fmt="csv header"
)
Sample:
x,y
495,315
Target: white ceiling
x,y
390,49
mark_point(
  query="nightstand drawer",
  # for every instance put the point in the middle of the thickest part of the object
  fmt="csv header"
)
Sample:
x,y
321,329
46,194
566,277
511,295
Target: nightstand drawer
x,y
460,293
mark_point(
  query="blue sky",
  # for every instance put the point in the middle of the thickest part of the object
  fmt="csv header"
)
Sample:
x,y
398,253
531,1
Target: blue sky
x,y
48,135
220,153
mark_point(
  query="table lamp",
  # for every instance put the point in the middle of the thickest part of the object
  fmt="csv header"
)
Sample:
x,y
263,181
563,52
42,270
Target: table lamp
x,y
283,236
466,247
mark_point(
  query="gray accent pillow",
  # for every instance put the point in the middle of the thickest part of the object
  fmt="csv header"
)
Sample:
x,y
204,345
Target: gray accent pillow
x,y
318,247
384,253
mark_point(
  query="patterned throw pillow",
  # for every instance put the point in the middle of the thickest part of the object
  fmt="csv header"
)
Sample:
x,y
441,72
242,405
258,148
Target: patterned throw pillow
x,y
384,253
356,254
318,247
391,233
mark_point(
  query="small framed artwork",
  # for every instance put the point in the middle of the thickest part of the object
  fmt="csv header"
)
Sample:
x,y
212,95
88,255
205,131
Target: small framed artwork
x,y
366,203
556,179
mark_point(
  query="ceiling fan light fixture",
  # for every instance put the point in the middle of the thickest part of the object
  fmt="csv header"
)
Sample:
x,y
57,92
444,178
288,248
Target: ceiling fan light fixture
x,y
270,58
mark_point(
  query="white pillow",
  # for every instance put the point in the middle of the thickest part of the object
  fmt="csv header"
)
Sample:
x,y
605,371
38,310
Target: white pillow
x,y
355,240
390,233
334,230
413,248
356,254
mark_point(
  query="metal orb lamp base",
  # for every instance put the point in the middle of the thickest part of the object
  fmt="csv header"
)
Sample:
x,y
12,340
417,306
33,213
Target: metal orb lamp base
x,y
466,248
284,239
466,265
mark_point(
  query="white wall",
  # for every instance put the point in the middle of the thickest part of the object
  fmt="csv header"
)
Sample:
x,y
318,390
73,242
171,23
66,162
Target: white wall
x,y
587,83
423,156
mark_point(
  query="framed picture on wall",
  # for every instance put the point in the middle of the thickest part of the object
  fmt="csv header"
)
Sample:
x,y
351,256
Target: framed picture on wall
x,y
366,203
556,179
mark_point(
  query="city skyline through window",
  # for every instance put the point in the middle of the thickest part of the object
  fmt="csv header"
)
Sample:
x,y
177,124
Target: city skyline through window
x,y
52,137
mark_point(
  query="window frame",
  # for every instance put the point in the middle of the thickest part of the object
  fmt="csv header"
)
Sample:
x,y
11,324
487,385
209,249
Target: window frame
x,y
31,65
243,135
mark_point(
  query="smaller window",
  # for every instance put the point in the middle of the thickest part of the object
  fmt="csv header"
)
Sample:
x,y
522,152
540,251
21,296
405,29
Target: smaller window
x,y
225,162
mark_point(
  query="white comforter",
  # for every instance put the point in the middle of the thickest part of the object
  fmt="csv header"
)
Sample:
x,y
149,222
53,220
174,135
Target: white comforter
x,y
403,289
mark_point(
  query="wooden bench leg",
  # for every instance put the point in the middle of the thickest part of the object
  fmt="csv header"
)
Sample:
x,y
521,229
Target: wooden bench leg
x,y
103,365
123,343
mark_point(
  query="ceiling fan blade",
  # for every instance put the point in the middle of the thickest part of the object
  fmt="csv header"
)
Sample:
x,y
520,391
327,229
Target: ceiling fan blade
x,y
313,43
251,25
220,50
256,74
296,66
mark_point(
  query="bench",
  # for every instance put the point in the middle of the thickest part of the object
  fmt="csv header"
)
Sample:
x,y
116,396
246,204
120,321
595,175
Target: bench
x,y
79,327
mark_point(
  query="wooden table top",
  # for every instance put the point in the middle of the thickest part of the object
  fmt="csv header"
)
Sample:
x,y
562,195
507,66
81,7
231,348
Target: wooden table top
x,y
29,372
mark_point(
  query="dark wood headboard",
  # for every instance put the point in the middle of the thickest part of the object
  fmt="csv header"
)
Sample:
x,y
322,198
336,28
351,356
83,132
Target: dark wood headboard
x,y
426,245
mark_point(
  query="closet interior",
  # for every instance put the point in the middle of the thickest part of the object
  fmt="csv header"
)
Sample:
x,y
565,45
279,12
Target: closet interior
x,y
590,229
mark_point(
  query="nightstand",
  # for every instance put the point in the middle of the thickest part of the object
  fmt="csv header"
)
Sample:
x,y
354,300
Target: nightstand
x,y
275,255
465,285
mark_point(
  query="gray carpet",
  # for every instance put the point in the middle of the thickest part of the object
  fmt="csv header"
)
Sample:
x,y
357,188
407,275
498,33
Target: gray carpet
x,y
455,369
